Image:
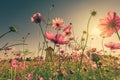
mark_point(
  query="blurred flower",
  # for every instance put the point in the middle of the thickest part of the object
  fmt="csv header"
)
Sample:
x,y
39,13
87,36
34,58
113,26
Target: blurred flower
x,y
34,65
8,48
50,79
95,57
18,78
93,50
17,54
108,25
71,38
41,78
29,76
85,55
77,48
67,31
37,18
57,23
23,66
118,61
94,65
15,63
61,51
113,45
13,29
58,39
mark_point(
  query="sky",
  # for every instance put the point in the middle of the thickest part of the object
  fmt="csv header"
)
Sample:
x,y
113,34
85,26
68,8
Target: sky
x,y
18,12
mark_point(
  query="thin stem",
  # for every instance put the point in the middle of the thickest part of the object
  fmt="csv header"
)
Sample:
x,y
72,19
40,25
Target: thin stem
x,y
83,49
3,46
103,45
14,73
11,73
47,23
45,39
117,33
4,34
87,34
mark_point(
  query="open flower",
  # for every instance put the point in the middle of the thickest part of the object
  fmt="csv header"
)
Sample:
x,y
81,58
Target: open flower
x,y
15,63
110,24
29,76
113,45
57,39
41,78
67,31
57,23
18,78
37,18
8,48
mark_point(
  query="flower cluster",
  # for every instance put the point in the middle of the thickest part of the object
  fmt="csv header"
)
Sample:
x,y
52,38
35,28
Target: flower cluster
x,y
58,24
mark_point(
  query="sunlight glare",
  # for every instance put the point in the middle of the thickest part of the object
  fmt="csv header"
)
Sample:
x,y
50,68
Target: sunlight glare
x,y
95,31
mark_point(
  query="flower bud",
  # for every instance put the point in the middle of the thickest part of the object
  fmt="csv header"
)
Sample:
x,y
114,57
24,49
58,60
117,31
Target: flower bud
x,y
93,13
13,29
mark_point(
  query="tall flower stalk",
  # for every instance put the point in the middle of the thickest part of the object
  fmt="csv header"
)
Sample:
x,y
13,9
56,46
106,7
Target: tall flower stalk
x,y
12,29
87,35
24,40
38,19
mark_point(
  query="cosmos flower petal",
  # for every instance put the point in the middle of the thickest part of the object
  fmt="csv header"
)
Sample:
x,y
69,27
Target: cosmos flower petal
x,y
50,36
108,24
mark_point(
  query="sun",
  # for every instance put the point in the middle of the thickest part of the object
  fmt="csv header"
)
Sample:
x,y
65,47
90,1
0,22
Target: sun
x,y
95,31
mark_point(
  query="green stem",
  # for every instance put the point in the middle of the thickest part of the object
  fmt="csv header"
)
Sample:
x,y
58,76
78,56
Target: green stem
x,y
87,34
47,22
45,40
117,33
14,73
99,71
4,34
11,73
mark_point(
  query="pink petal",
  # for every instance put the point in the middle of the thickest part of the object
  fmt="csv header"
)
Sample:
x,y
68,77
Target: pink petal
x,y
49,35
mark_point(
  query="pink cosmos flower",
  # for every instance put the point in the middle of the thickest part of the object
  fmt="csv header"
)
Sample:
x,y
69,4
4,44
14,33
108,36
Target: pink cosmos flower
x,y
15,63
18,78
94,66
17,54
61,51
93,49
29,76
37,18
50,36
8,48
57,39
50,79
108,25
77,48
113,45
67,31
41,78
57,23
